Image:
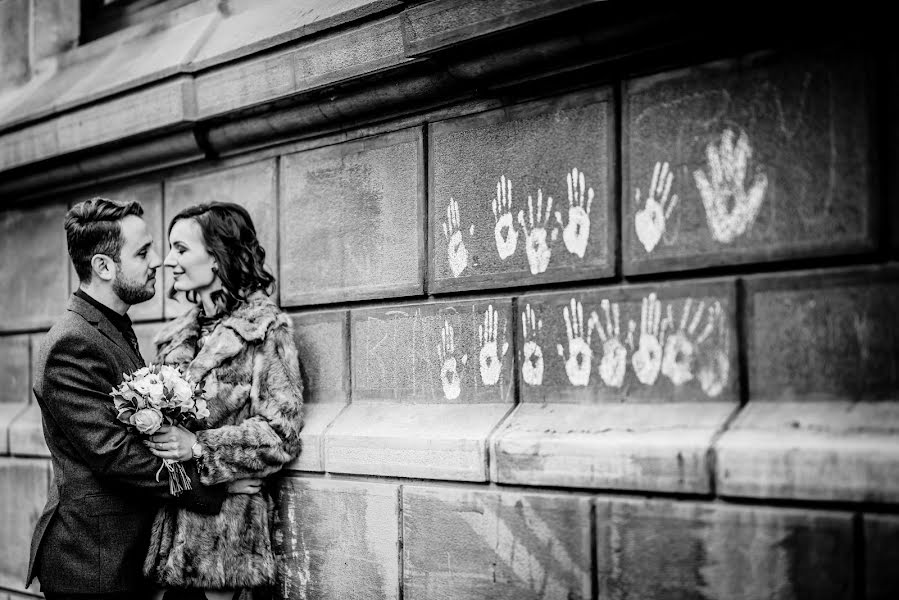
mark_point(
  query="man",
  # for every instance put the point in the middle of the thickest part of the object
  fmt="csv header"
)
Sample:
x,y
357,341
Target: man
x,y
91,540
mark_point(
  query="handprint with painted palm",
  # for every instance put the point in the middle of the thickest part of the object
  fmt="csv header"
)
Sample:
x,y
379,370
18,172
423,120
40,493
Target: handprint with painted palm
x,y
613,363
504,231
649,222
580,356
679,358
646,358
536,247
730,208
490,357
532,359
452,231
576,232
714,354
449,366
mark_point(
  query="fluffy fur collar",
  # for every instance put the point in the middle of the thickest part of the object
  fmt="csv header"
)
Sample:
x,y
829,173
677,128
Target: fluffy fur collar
x,y
176,343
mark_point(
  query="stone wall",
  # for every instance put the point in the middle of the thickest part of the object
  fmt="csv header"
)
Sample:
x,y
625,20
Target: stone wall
x,y
630,335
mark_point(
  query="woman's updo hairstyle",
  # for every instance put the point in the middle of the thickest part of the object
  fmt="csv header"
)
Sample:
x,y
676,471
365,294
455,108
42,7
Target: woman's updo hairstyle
x,y
230,238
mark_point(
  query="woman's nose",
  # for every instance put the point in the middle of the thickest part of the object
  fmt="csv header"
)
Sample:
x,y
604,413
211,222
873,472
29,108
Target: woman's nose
x,y
170,260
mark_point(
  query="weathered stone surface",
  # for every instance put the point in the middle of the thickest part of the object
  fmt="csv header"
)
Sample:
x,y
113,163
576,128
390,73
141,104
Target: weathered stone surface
x,y
15,377
14,43
150,197
652,549
430,441
337,539
29,144
322,339
824,335
23,492
33,244
351,220
768,157
881,556
345,55
648,343
649,447
56,27
444,352
812,450
26,433
252,26
491,178
251,186
461,543
8,413
437,25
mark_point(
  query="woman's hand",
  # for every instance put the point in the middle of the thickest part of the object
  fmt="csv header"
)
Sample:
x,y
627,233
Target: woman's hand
x,y
173,443
245,486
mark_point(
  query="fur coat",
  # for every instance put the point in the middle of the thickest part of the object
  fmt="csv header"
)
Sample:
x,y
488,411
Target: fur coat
x,y
249,368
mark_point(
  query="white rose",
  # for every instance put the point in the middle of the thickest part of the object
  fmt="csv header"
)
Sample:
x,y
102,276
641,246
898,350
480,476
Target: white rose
x,y
141,386
157,394
147,420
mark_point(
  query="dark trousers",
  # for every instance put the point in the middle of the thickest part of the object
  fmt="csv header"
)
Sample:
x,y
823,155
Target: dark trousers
x,y
114,596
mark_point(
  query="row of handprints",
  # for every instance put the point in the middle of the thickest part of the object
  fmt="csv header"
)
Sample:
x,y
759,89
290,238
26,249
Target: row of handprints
x,y
730,208
692,344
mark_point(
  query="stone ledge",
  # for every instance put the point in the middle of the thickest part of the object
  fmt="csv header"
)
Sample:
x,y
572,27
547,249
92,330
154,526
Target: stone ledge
x,y
8,413
651,447
316,419
429,441
834,451
26,434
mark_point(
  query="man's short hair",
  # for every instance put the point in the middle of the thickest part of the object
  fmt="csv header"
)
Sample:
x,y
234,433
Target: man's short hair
x,y
94,227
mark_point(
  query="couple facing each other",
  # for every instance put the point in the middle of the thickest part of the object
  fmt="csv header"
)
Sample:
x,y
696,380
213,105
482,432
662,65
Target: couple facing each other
x,y
110,529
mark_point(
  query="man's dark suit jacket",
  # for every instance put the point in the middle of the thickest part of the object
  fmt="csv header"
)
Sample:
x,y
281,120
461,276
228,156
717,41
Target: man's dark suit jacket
x,y
95,529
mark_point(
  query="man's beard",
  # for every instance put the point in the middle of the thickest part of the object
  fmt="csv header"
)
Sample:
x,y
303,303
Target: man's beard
x,y
131,292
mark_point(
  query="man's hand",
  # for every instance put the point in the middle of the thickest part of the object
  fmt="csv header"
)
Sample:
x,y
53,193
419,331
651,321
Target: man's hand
x,y
245,486
173,443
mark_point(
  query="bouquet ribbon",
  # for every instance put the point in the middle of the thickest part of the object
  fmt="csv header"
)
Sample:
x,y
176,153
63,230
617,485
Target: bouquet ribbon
x,y
179,482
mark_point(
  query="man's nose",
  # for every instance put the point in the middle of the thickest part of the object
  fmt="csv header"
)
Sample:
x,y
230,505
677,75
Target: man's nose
x,y
155,259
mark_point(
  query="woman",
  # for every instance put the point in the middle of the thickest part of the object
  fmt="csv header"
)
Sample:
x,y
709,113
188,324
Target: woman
x,y
239,346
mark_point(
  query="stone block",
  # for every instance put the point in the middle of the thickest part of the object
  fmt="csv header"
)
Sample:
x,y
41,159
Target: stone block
x,y
467,543
26,433
56,27
651,447
24,484
812,451
433,26
337,539
251,186
340,56
35,342
351,220
521,194
149,194
761,158
647,343
38,281
29,144
15,377
15,43
881,556
429,441
8,413
322,339
824,335
655,549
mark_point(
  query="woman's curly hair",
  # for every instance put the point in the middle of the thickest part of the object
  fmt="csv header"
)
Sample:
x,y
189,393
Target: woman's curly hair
x,y
230,238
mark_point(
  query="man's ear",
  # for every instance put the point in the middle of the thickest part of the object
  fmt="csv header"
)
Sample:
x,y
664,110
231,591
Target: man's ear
x,y
103,267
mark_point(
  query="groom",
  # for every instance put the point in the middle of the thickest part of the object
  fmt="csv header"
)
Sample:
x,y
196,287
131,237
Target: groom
x,y
91,540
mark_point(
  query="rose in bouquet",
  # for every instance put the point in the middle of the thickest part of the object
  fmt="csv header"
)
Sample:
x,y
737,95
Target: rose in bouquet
x,y
160,395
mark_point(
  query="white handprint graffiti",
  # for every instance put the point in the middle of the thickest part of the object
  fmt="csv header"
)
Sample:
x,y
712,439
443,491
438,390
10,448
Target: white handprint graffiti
x,y
452,231
613,364
580,356
536,248
647,358
714,362
504,231
729,208
577,232
680,348
490,358
650,221
532,361
449,369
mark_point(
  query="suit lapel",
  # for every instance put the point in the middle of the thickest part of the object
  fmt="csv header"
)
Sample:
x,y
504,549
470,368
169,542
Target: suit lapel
x,y
104,326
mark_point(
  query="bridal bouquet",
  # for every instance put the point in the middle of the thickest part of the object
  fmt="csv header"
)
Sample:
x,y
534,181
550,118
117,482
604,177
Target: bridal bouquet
x,y
157,395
